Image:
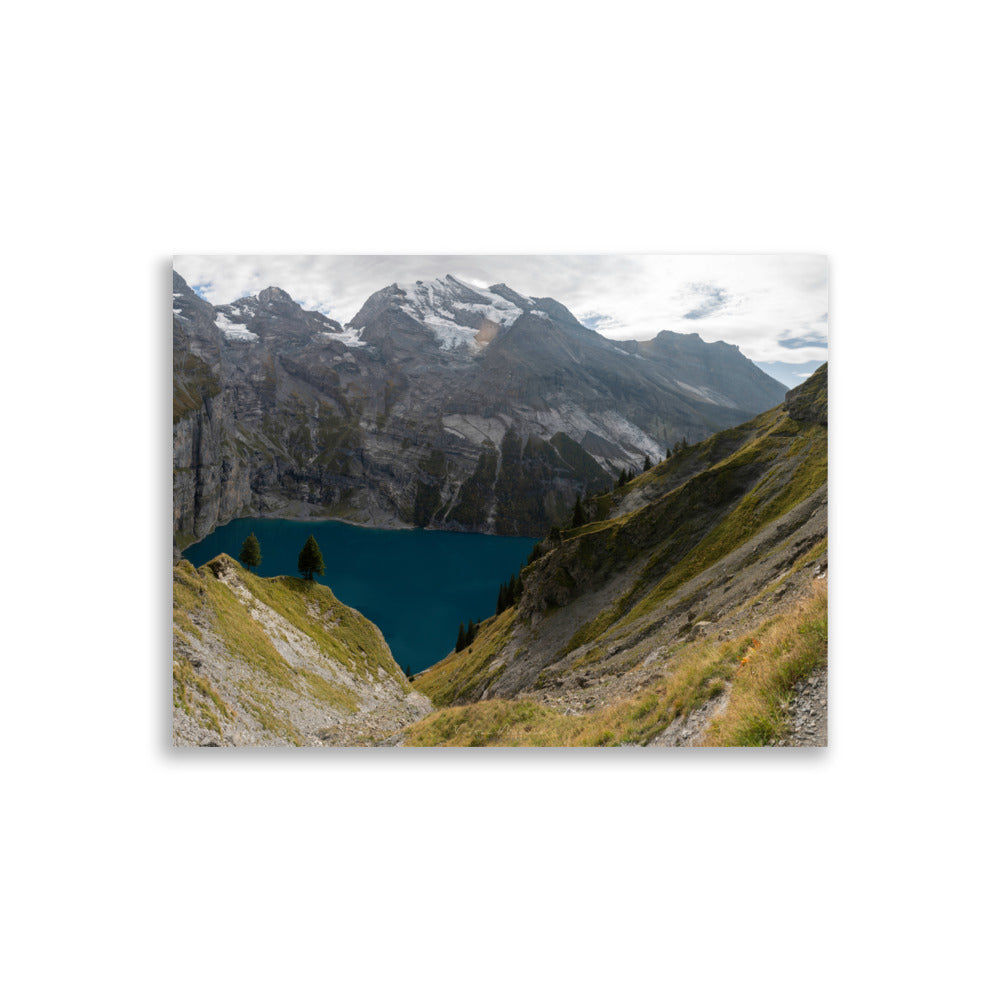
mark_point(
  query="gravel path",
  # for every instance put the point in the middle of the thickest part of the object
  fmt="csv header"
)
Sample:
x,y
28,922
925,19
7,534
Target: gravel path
x,y
808,712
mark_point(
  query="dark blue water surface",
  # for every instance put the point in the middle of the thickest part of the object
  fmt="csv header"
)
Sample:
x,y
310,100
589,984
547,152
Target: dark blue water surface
x,y
415,585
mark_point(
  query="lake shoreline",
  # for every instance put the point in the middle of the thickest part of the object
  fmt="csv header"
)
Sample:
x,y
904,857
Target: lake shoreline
x,y
392,524
417,585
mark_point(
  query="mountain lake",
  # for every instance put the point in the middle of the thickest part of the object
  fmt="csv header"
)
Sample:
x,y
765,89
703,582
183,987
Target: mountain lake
x,y
415,585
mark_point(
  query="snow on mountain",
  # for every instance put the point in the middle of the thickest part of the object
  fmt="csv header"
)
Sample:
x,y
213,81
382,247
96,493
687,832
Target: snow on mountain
x,y
455,311
348,336
231,330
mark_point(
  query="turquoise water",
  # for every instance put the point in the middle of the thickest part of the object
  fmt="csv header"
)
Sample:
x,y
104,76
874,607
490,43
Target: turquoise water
x,y
415,585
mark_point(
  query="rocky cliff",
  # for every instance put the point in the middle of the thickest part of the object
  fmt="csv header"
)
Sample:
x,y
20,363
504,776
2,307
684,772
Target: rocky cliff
x,y
438,405
689,609
279,662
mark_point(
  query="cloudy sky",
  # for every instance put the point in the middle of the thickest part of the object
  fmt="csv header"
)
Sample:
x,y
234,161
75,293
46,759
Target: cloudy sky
x,y
772,306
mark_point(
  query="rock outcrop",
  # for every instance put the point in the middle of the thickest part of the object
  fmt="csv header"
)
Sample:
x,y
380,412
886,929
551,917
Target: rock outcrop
x,y
279,662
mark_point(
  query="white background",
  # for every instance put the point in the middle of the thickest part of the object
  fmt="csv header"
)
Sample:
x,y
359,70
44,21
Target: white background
x,y
862,130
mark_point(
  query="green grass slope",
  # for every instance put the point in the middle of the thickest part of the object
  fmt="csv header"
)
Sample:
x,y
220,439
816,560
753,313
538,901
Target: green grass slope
x,y
276,661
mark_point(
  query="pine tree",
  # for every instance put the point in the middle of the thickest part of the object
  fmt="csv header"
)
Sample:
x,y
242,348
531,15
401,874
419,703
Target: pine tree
x,y
505,597
311,559
461,643
578,517
622,478
250,553
647,464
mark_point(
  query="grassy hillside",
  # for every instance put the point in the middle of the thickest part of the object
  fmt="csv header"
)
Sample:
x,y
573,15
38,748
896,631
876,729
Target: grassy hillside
x,y
278,661
700,553
750,678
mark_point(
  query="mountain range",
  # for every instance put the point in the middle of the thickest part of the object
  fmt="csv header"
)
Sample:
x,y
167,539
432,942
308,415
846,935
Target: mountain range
x,y
439,404
685,607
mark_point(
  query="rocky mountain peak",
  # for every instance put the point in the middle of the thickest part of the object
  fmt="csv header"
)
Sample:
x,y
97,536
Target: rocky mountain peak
x,y
691,342
274,315
508,293
454,313
808,402
275,294
441,404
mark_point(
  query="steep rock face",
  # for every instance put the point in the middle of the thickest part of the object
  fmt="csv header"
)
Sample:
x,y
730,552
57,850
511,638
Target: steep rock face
x,y
279,662
439,404
808,401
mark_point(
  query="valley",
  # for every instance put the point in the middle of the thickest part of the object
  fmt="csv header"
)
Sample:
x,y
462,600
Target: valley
x,y
660,504
689,608
698,598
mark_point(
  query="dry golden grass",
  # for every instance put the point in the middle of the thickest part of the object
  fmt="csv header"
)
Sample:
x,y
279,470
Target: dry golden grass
x,y
699,673
790,648
759,669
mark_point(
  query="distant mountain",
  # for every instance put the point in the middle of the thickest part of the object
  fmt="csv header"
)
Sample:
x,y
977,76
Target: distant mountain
x,y
787,373
438,404
689,608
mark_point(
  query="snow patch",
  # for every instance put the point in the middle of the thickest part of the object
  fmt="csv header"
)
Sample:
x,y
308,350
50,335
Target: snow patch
x,y
233,331
348,336
434,304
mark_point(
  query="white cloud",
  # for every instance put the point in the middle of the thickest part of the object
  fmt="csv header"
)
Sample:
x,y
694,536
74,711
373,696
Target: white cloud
x,y
755,301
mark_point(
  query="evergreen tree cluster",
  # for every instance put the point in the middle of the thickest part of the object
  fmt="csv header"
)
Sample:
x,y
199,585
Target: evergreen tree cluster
x,y
466,633
625,476
510,593
310,558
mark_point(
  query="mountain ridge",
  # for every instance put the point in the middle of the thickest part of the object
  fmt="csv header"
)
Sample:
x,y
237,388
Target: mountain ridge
x,y
428,408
